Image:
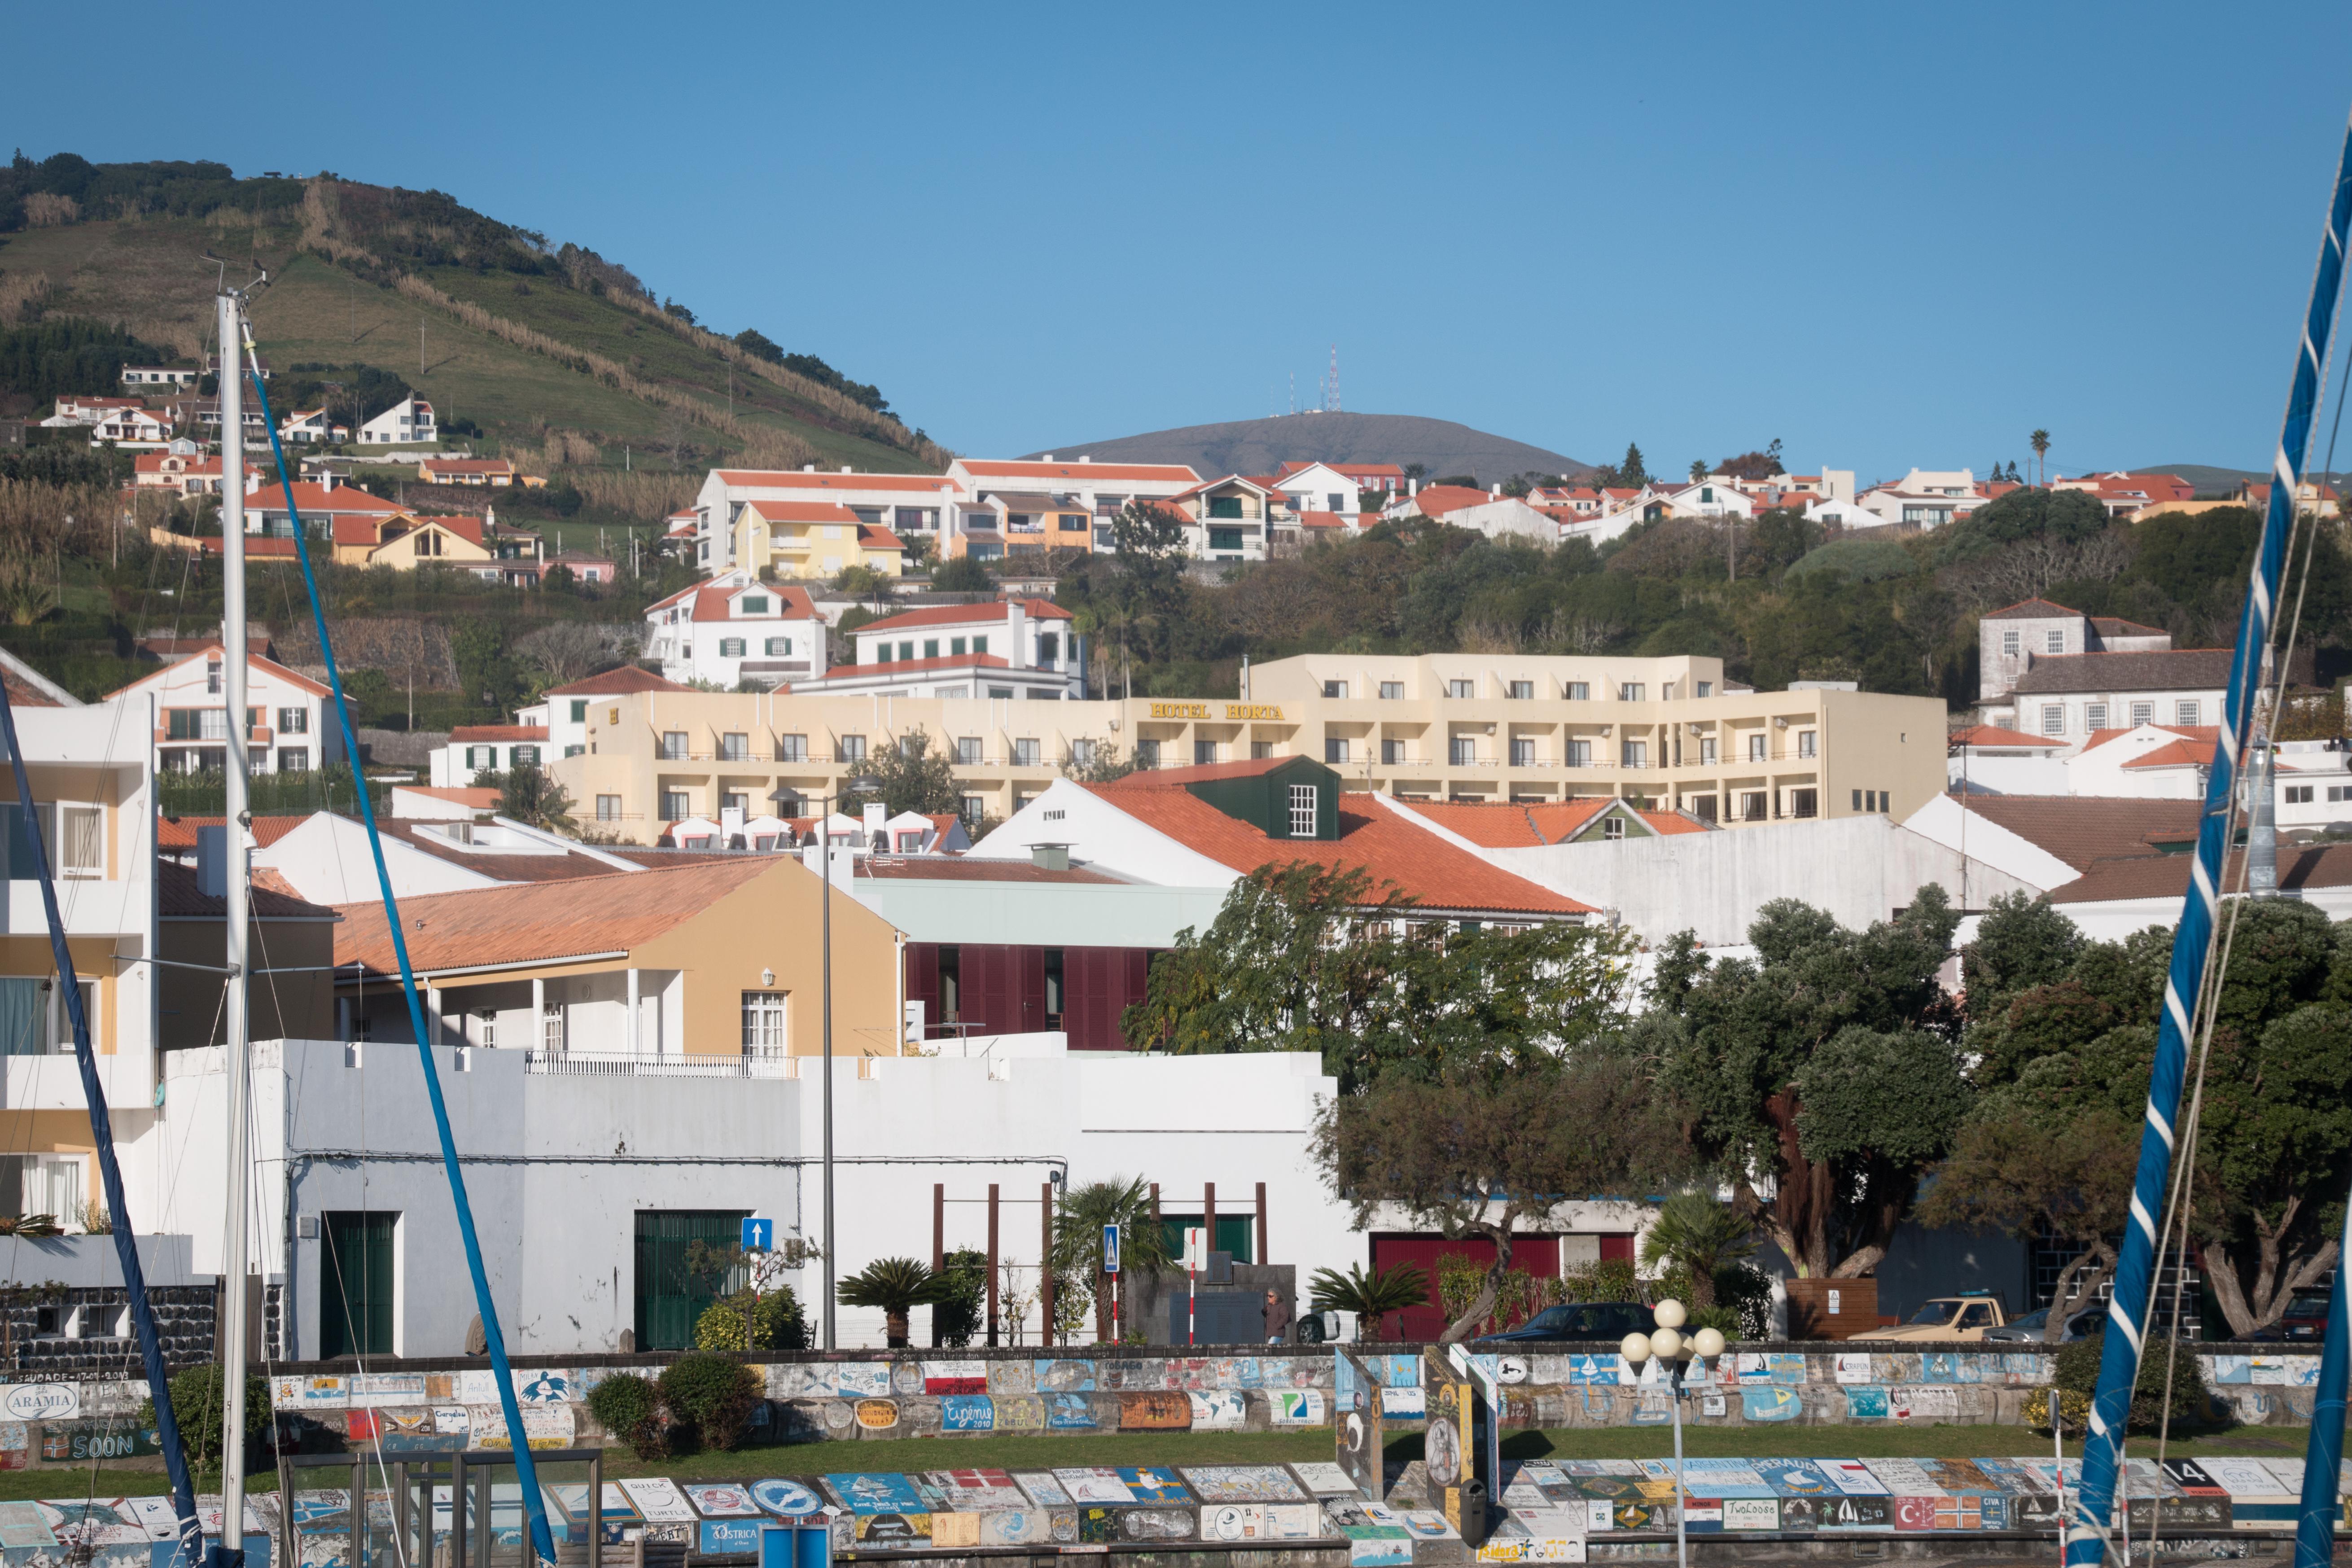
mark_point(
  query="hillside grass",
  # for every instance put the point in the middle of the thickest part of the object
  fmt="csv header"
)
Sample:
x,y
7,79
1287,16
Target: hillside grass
x,y
151,276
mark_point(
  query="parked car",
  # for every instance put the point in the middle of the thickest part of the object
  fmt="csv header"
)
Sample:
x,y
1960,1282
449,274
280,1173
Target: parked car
x,y
1948,1317
2085,1324
1610,1320
2305,1319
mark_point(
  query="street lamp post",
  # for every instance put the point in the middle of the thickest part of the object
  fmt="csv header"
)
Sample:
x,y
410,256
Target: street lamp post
x,y
824,860
1672,1347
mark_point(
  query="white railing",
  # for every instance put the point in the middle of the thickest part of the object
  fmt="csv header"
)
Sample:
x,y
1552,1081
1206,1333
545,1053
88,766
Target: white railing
x,y
621,1064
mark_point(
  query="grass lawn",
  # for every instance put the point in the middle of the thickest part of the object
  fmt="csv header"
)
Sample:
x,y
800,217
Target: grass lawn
x,y
1038,1451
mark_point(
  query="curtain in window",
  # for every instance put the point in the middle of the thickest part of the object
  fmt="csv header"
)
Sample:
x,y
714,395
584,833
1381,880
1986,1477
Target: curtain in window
x,y
23,1020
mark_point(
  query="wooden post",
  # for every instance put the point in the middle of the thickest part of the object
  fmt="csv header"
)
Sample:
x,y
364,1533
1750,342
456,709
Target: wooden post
x,y
1261,1257
1209,1217
1155,1202
992,1263
1046,1261
939,1243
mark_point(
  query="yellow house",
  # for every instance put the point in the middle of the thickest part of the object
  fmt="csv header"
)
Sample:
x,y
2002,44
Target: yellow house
x,y
404,542
710,960
812,539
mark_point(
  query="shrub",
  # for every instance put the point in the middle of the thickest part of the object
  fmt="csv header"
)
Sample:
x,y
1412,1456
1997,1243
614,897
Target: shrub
x,y
959,1311
715,1392
630,1408
774,1319
196,1407
2076,1378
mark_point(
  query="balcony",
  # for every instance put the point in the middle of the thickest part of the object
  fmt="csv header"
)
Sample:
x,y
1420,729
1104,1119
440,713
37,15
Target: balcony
x,y
620,1064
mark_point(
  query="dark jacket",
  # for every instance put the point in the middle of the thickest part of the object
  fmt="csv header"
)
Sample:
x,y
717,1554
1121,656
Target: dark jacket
x,y
1277,1319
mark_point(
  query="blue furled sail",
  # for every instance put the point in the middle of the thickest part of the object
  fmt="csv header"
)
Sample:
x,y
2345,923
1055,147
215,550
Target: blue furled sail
x,y
2086,1532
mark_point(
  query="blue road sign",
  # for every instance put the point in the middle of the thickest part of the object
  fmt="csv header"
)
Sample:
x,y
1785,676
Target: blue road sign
x,y
1110,1250
759,1234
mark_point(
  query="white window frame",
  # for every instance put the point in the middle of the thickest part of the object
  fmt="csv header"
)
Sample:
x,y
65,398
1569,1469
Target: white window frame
x,y
2053,718
1303,806
767,1023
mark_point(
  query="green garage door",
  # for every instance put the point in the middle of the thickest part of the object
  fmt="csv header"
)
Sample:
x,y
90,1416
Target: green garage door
x,y
355,1284
670,1297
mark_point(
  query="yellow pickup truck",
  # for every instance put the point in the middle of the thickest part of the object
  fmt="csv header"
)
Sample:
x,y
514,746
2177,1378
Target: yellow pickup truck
x,y
1948,1317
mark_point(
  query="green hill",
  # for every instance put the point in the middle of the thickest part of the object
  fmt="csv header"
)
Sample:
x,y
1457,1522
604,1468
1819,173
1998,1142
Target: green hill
x,y
565,359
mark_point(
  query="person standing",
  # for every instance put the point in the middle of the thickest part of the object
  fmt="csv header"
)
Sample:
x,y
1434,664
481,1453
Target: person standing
x,y
1277,1319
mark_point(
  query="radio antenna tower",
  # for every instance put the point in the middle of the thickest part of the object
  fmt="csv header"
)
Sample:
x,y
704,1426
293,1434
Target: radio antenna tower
x,y
1332,383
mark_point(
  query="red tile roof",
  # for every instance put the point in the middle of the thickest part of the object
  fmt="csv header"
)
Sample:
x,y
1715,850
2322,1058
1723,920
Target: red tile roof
x,y
2186,731
990,613
1324,519
831,511
792,480
2176,755
314,500
547,921
615,682
180,832
178,896
1030,468
1420,866
465,735
267,666
873,536
465,466
2030,610
1436,500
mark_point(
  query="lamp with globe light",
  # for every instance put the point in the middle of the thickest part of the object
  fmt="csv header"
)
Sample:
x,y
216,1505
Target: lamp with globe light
x,y
1675,1349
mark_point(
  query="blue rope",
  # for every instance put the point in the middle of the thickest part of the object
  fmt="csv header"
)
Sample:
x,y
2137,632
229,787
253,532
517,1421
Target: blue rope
x,y
2127,1309
526,1468
101,1131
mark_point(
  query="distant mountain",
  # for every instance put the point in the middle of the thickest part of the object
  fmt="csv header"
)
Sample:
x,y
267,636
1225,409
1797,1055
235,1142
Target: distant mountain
x,y
2212,481
1261,445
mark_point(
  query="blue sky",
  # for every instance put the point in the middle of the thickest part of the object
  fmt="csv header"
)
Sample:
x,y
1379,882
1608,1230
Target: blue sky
x,y
1886,235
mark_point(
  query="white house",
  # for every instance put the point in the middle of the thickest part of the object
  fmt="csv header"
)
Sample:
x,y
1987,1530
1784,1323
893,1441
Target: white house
x,y
1489,511
1019,649
312,425
487,749
2146,762
2012,639
1924,498
74,408
409,420
734,628
1988,760
133,427
1102,490
2315,789
289,728
562,710
2080,694
911,506
1319,487
160,375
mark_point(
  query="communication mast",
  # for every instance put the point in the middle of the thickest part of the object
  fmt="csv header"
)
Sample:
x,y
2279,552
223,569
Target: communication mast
x,y
1332,383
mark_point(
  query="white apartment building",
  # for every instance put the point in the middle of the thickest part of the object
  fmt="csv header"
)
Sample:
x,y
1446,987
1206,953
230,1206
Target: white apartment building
x,y
734,628
912,506
1660,732
287,727
1003,650
1924,498
1320,488
1100,490
410,419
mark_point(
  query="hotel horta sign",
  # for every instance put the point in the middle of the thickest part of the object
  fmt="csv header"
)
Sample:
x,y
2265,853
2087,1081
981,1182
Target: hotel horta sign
x,y
1232,713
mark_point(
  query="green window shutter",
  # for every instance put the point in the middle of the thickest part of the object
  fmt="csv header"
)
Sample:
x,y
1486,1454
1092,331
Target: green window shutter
x,y
669,1297
356,1284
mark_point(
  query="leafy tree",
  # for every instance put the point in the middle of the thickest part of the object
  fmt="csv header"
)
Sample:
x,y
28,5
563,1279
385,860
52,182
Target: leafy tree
x,y
530,794
912,776
758,345
1753,465
2035,1172
1631,470
1489,1154
2049,517
1078,1221
2021,941
1701,1234
1105,764
957,1316
1373,1298
197,1404
628,1406
964,574
486,675
1824,1071
2274,1142
67,354
897,1286
713,1393
1304,957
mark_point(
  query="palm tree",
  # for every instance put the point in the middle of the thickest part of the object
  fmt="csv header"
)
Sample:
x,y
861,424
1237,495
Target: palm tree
x,y
2040,443
1698,470
897,1286
1078,1233
1702,1235
1372,1297
529,796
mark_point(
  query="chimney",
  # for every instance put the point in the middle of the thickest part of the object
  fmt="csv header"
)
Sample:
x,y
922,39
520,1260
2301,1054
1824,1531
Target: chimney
x,y
1086,458
1046,458
847,469
808,468
1050,856
212,861
1412,487
1495,491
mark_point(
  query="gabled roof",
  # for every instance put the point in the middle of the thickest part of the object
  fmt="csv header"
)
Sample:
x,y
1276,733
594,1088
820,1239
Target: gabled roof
x,y
1521,825
1436,500
2149,669
2186,731
874,536
267,666
831,511
2176,755
793,479
991,612
473,735
310,499
615,682
2083,830
1030,468
179,896
180,832
545,921
2307,867
2031,610
1421,865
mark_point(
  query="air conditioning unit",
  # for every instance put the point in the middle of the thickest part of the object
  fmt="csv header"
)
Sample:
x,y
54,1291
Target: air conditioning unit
x,y
1779,723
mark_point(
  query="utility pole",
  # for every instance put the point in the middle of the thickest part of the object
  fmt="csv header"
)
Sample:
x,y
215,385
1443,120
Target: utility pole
x,y
420,348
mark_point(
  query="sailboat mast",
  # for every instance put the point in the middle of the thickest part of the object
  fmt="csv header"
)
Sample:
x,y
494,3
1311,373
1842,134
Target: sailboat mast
x,y
238,1054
